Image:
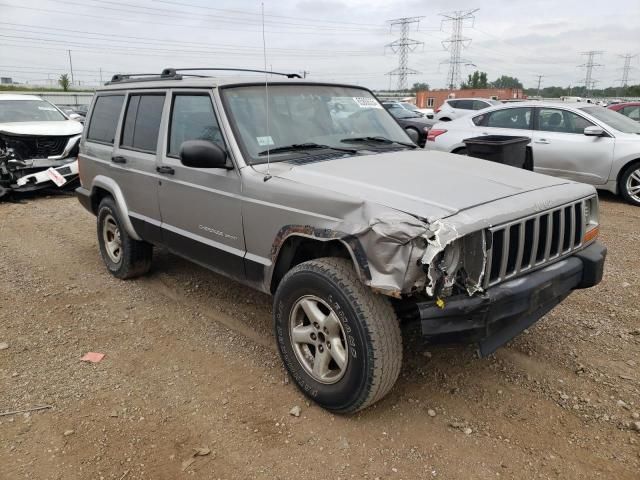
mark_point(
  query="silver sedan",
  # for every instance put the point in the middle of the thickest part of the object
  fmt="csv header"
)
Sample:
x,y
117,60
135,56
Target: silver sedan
x,y
585,143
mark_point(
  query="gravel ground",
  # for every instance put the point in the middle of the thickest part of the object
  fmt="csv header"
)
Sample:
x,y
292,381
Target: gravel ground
x,y
192,387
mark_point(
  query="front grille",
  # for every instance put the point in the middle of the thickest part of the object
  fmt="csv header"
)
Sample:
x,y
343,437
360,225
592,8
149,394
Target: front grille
x,y
28,146
534,241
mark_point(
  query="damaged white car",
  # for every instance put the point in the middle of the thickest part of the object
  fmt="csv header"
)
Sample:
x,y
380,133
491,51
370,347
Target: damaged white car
x,y
38,145
339,216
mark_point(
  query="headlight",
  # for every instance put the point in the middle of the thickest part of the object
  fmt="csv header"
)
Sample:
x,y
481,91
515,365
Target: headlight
x,y
450,260
591,223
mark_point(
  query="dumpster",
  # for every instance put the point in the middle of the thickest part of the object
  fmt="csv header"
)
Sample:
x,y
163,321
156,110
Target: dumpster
x,y
504,149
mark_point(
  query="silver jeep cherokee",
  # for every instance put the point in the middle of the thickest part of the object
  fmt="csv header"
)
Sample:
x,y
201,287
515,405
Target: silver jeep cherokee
x,y
339,216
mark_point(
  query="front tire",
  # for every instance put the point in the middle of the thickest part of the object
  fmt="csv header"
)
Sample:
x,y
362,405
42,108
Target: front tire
x,y
629,185
124,256
340,342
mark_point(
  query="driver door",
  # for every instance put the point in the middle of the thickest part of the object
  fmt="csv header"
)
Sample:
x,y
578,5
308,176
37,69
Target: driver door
x,y
200,207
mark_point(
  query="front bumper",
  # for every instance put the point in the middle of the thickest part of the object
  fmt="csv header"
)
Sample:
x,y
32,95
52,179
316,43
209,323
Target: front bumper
x,y
505,310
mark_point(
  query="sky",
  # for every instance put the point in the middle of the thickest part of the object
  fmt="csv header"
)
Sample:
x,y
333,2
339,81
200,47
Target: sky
x,y
332,40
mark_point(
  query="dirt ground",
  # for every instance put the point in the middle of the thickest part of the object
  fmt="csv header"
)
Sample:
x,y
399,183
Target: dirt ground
x,y
191,364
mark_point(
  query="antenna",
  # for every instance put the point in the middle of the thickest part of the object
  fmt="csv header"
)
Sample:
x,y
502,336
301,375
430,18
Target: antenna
x,y
266,92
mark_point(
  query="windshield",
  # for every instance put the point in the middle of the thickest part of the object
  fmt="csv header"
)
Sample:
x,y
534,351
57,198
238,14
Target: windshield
x,y
28,111
409,106
613,119
303,114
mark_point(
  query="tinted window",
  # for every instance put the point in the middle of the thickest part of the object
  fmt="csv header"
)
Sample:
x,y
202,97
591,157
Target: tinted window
x,y
479,105
453,103
465,104
613,119
517,118
104,119
192,118
563,121
142,122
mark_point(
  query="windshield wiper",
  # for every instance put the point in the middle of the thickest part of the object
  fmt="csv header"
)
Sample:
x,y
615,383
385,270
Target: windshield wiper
x,y
376,140
305,146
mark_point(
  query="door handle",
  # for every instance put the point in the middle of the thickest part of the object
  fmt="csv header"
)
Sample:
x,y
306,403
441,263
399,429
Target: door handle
x,y
166,170
118,159
542,140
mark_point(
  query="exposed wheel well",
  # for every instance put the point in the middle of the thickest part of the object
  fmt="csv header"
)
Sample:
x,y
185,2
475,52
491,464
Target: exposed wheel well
x,y
297,249
445,119
97,195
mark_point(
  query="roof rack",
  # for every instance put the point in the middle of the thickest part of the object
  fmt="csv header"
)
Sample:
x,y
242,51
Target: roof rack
x,y
172,74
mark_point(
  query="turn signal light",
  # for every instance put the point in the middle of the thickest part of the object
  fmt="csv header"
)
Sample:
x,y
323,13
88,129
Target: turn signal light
x,y
591,234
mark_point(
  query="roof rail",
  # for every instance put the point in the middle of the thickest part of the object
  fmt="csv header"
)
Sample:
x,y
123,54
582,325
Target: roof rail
x,y
172,74
173,71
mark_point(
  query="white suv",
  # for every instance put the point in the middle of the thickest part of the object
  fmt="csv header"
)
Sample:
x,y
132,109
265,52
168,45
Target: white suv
x,y
460,107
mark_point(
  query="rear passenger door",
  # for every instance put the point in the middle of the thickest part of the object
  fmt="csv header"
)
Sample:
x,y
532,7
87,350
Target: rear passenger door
x,y
201,207
134,160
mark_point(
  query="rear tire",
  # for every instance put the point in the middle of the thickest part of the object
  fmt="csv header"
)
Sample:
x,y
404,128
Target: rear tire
x,y
629,184
346,353
124,256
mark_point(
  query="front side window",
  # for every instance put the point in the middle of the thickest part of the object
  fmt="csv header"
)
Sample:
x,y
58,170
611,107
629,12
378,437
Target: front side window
x,y
515,118
104,118
562,121
142,122
192,118
29,111
479,105
301,114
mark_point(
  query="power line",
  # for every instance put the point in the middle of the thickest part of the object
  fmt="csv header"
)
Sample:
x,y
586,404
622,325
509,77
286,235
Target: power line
x,y
456,42
402,47
589,65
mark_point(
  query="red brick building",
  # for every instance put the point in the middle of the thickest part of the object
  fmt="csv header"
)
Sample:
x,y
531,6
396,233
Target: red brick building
x,y
435,98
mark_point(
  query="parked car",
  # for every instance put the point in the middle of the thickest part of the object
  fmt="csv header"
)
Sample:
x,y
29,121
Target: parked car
x,y
460,107
413,122
38,144
423,112
629,109
343,220
578,141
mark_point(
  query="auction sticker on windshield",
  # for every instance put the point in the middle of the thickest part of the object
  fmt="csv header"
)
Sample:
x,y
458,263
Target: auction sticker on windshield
x,y
265,141
367,102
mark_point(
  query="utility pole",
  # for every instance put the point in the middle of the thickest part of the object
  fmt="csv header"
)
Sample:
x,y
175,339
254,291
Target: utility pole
x,y
71,67
100,75
589,82
539,82
456,42
305,73
402,47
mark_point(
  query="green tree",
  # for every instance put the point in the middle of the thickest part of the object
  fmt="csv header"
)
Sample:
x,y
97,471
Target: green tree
x,y
506,81
476,80
64,82
419,86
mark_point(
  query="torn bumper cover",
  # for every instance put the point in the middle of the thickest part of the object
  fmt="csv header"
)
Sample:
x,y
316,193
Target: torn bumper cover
x,y
29,162
502,312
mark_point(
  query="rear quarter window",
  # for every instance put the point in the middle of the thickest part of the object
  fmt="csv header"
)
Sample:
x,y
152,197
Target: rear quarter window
x,y
104,118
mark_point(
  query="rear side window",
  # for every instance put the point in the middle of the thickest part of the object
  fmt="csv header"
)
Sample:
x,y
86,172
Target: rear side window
x,y
516,118
142,122
104,119
192,118
453,103
465,104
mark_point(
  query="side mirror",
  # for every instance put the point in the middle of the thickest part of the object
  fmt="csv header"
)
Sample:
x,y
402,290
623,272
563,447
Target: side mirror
x,y
413,135
593,131
202,154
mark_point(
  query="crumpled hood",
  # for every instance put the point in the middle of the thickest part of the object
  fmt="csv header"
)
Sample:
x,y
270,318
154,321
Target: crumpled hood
x,y
423,183
57,129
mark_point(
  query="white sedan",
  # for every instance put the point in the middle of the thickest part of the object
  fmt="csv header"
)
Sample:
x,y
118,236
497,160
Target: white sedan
x,y
580,142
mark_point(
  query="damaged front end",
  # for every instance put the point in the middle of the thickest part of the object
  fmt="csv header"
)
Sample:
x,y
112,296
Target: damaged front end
x,y
35,162
416,257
